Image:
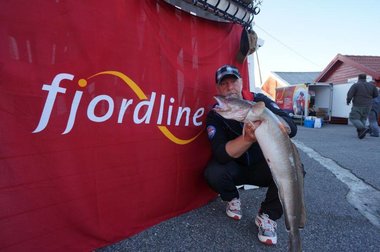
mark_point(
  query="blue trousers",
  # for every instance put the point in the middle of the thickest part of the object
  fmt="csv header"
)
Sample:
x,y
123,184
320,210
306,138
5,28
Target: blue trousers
x,y
373,124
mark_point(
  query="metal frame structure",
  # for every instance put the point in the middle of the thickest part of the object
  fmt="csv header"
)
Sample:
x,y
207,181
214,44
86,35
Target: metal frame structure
x,y
236,11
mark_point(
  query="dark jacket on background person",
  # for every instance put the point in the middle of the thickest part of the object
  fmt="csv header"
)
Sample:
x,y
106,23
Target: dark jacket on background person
x,y
226,130
361,93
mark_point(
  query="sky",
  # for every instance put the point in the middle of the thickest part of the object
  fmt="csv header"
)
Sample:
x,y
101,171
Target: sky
x,y
306,35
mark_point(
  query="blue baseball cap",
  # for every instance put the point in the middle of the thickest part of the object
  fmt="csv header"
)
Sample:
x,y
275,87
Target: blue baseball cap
x,y
226,70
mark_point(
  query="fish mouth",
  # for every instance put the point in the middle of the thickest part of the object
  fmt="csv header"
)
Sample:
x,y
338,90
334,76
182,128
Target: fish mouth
x,y
232,95
221,106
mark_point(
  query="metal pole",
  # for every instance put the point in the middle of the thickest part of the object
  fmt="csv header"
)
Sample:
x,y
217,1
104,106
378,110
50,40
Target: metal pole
x,y
258,65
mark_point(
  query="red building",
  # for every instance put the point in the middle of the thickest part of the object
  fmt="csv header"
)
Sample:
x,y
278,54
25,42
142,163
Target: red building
x,y
345,67
342,72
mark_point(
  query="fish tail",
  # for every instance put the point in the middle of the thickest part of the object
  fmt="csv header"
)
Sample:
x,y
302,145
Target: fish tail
x,y
300,177
295,241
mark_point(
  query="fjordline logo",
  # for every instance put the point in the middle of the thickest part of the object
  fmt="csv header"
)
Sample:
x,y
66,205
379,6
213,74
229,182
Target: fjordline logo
x,y
53,89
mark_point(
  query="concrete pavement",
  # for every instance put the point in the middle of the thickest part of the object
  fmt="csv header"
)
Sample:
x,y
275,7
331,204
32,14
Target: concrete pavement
x,y
340,169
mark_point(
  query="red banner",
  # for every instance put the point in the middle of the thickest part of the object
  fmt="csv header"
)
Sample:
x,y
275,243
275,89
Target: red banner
x,y
102,115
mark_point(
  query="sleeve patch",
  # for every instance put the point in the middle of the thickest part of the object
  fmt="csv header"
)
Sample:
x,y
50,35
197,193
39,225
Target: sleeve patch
x,y
211,130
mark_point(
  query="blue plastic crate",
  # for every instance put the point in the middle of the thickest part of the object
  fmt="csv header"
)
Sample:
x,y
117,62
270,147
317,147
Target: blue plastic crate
x,y
309,123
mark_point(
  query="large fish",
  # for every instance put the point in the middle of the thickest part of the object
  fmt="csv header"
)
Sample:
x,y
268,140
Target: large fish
x,y
281,155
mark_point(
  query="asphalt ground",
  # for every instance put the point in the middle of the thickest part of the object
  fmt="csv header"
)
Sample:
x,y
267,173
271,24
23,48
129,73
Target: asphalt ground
x,y
340,169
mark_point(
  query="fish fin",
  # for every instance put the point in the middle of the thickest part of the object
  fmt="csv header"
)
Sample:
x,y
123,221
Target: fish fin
x,y
300,176
252,124
284,124
258,107
287,224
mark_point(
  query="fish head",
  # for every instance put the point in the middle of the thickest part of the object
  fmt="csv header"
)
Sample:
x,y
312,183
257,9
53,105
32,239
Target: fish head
x,y
232,107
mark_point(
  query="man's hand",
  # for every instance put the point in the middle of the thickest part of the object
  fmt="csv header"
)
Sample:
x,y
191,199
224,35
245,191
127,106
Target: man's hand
x,y
249,131
236,147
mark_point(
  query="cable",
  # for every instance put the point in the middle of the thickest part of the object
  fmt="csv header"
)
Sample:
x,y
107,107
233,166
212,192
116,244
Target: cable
x,y
258,65
288,47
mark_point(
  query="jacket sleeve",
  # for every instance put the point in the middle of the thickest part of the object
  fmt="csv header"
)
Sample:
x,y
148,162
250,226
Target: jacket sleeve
x,y
375,92
350,94
217,137
272,106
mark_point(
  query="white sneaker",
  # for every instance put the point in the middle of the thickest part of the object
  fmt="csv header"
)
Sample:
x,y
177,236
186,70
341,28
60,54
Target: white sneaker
x,y
233,209
267,229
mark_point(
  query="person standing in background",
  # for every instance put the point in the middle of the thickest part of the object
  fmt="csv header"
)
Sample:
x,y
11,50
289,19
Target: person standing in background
x,y
361,93
373,117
